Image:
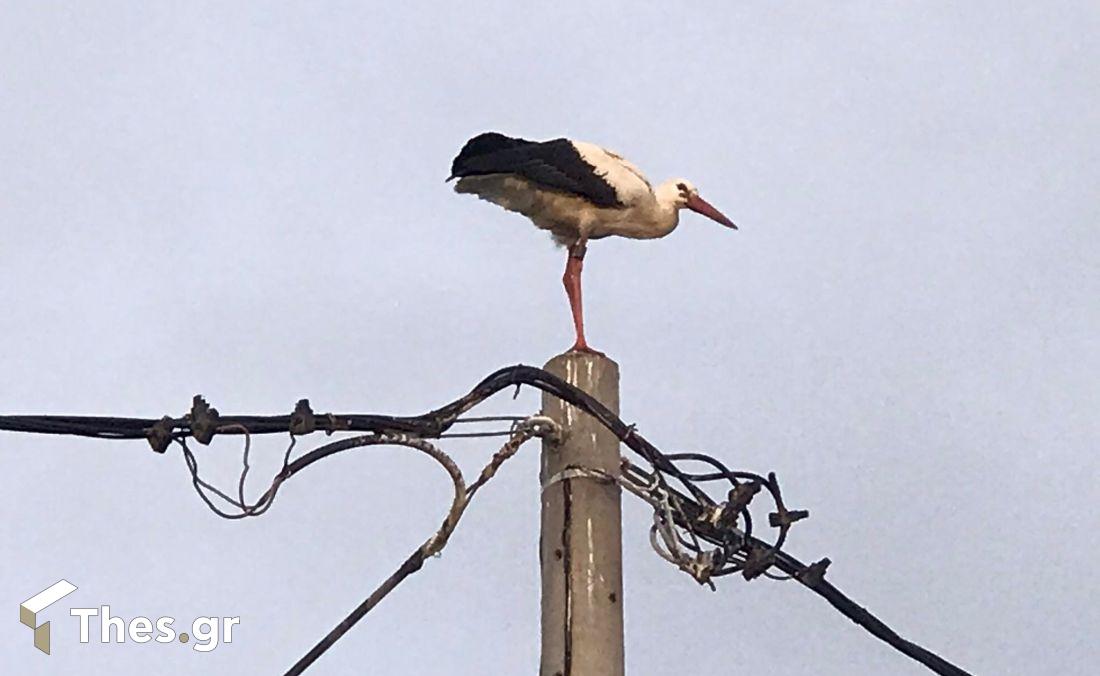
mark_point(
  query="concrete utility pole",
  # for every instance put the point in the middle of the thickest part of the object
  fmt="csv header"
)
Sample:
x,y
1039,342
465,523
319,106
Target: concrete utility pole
x,y
580,547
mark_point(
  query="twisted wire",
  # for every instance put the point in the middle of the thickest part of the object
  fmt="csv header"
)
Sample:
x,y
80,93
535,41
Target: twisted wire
x,y
708,536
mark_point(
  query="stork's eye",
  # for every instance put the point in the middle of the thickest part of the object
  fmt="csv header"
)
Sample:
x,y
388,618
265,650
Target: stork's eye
x,y
682,187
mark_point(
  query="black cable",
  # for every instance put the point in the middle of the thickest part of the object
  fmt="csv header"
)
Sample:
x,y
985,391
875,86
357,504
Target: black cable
x,y
740,551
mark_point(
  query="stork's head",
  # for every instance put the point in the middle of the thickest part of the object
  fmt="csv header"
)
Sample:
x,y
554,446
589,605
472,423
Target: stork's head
x,y
682,194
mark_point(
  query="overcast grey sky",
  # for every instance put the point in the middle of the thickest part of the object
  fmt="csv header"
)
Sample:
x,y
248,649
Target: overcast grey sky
x,y
247,201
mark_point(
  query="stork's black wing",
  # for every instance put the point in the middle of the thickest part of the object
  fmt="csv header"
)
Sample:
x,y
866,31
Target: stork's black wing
x,y
554,165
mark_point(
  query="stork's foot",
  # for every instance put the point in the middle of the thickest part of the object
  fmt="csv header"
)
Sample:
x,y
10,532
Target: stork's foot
x,y
581,346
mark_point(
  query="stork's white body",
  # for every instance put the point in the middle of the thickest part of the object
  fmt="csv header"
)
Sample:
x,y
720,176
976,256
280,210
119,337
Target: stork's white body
x,y
570,217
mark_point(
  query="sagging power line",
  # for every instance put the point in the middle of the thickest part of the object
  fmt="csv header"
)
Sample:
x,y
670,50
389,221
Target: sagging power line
x,y
702,521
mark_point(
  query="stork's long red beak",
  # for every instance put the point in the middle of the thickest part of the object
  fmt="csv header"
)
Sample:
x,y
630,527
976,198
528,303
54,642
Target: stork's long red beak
x,y
701,206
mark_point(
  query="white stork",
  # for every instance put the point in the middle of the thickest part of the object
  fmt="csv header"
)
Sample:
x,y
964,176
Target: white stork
x,y
578,191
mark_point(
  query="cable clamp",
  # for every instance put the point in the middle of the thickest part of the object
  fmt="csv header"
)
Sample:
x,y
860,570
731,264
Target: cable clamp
x,y
302,421
204,420
579,473
160,434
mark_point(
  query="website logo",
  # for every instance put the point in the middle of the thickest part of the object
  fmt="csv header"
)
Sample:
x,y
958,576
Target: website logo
x,y
29,610
204,633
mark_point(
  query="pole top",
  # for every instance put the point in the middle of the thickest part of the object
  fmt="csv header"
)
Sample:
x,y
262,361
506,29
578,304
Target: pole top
x,y
594,360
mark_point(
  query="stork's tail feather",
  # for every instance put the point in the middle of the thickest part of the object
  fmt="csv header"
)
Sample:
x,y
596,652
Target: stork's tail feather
x,y
483,144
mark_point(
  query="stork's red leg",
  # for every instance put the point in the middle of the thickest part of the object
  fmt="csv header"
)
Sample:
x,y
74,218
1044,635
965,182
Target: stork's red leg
x,y
574,264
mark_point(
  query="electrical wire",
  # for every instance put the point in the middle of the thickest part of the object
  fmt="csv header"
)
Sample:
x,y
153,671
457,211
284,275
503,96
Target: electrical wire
x,y
686,514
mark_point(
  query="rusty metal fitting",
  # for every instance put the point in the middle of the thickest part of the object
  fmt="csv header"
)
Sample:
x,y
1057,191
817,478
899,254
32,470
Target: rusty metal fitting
x,y
160,434
302,421
204,420
785,517
758,561
814,573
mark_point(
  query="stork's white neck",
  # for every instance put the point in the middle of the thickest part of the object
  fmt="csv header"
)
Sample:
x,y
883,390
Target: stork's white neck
x,y
661,218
